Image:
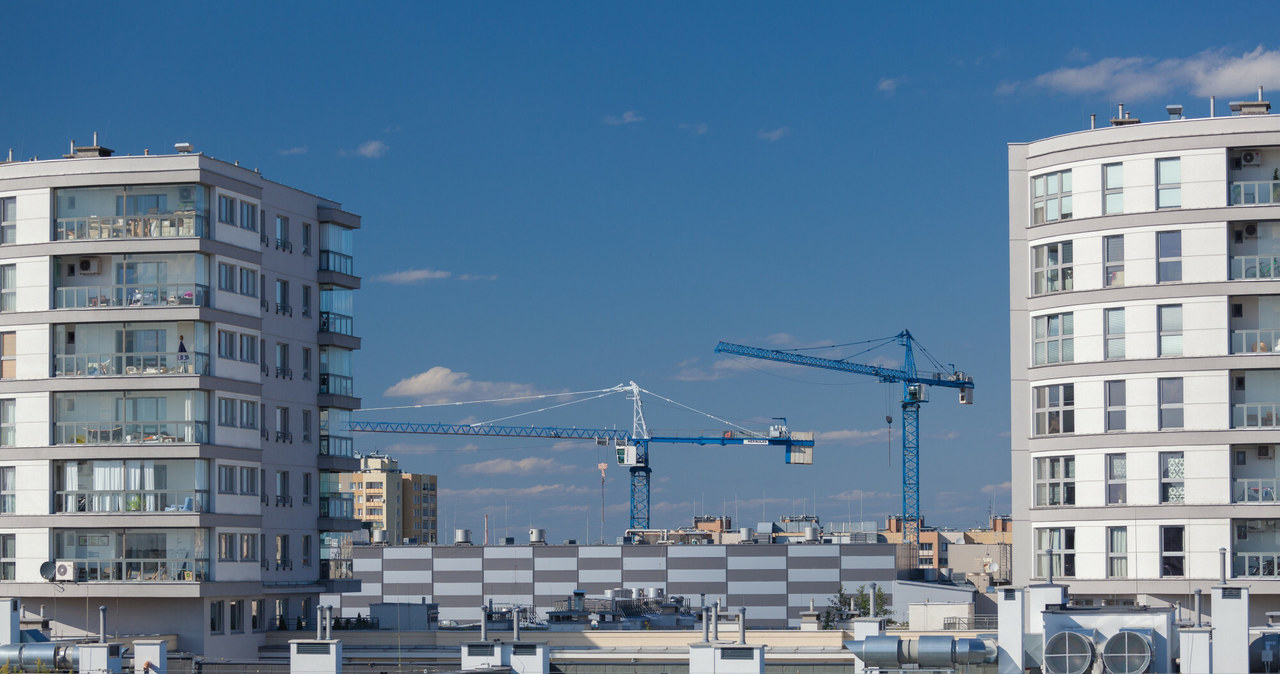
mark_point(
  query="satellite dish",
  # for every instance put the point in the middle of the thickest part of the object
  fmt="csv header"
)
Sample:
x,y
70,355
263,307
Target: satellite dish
x,y
47,570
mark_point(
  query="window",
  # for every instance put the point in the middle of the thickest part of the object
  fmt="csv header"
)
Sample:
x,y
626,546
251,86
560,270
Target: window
x,y
257,621
248,480
1052,268
1056,481
226,209
8,355
282,361
306,550
282,298
248,547
306,300
1113,189
8,410
262,354
1113,326
1169,183
216,609
8,287
1056,551
1051,197
227,547
1169,254
1053,339
282,230
248,215
306,425
1172,488
226,277
282,488
1171,403
1169,325
248,282
227,411
1172,552
248,414
235,615
226,479
282,552
1113,254
1115,392
1117,476
1117,552
306,363
226,344
306,238
8,556
8,489
8,220
1055,409
248,348
306,488
283,433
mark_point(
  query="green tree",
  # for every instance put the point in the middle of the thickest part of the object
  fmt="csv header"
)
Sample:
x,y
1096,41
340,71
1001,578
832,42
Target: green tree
x,y
858,604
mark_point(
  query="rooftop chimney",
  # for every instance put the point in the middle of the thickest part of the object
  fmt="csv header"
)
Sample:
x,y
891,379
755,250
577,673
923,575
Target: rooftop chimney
x,y
84,151
1122,118
1175,111
1258,107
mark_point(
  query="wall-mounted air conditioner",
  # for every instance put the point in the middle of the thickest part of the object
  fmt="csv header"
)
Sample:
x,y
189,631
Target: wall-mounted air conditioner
x,y
88,265
1251,158
65,571
1251,231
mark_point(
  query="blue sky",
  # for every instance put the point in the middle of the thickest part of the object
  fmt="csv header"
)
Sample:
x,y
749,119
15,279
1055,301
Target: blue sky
x,y
563,197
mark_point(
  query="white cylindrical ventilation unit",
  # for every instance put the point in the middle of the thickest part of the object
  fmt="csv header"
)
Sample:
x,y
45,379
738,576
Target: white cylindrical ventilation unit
x,y
462,537
537,536
378,535
811,534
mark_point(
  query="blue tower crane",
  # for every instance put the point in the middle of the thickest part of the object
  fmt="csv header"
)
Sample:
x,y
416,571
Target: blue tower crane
x,y
632,446
914,392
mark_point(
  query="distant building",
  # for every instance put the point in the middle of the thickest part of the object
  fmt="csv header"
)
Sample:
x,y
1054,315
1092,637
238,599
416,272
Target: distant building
x,y
932,552
402,506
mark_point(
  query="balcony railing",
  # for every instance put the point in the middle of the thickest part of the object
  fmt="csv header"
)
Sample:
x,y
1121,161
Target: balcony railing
x,y
131,362
1255,415
130,501
128,432
285,245
173,294
337,445
337,384
978,622
167,225
1254,266
339,262
284,500
284,436
1255,564
337,569
1254,341
1255,192
1254,490
141,570
339,323
284,373
337,507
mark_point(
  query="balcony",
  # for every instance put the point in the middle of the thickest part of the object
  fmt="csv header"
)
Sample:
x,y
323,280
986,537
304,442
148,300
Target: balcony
x,y
1254,341
131,501
337,384
337,445
1255,564
130,363
337,507
132,296
338,262
140,570
1255,415
155,226
1254,490
264,240
129,432
339,323
1249,192
1254,267
337,569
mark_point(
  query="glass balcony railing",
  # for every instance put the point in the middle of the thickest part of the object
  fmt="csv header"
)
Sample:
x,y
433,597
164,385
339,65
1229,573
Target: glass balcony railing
x,y
339,323
1255,192
337,384
1254,341
1255,415
339,262
337,569
164,225
1254,266
1254,490
140,570
337,507
128,432
131,501
337,445
167,295
1255,564
129,363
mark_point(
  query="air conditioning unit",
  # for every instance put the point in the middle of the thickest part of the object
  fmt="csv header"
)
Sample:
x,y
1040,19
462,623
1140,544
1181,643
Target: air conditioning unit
x,y
88,265
65,571
1128,651
1251,158
1251,231
1070,652
1264,452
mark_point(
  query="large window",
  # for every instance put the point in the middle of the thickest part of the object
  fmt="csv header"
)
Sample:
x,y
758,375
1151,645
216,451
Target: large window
x,y
1169,183
226,547
1114,328
1171,403
8,355
226,277
1113,254
1169,324
1052,268
216,610
1172,476
8,220
8,429
248,215
8,490
1113,189
1117,552
1173,552
1051,197
1055,409
1056,550
1054,341
1169,254
8,556
8,287
226,209
1056,481
248,282
1116,410
1117,479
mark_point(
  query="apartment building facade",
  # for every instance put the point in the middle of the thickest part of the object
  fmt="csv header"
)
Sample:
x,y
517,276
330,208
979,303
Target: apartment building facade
x,y
397,507
1144,325
177,337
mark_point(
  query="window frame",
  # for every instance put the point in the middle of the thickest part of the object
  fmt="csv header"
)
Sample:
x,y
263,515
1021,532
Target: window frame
x,y
1043,406
227,547
227,277
227,344
227,408
1175,346
1112,190
1171,189
1113,267
1043,338
1063,558
1168,555
1051,472
1173,476
8,556
226,209
1113,341
8,422
1174,261
1043,269
8,220
227,474
1110,389
1060,198
1117,480
8,490
1175,408
8,288
248,215
217,617
1118,560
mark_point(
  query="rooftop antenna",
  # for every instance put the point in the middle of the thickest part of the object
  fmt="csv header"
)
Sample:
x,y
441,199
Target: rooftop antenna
x,y
602,466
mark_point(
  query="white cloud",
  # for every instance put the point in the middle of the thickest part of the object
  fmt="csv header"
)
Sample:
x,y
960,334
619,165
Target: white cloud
x,y
530,464
412,276
372,149
695,129
993,489
490,493
407,448
947,435
862,494
775,135
852,437
296,150
628,117
888,85
440,384
1137,78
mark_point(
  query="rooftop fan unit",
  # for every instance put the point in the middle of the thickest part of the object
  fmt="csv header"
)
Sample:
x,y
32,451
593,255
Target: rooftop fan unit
x,y
1251,158
1070,652
1128,652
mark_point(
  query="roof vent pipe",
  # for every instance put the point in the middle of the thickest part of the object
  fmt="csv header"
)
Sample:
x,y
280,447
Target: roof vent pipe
x,y
328,621
1120,115
1259,98
871,601
515,623
742,625
319,622
1222,566
484,623
1199,607
1212,103
102,624
706,624
1093,121
715,621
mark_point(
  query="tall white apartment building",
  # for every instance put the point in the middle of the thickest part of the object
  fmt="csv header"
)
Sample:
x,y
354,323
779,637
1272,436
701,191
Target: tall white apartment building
x,y
1144,304
175,379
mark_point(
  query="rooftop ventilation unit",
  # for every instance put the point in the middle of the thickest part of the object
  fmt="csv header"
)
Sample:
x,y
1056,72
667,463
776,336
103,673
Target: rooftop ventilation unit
x,y
1070,652
1128,652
